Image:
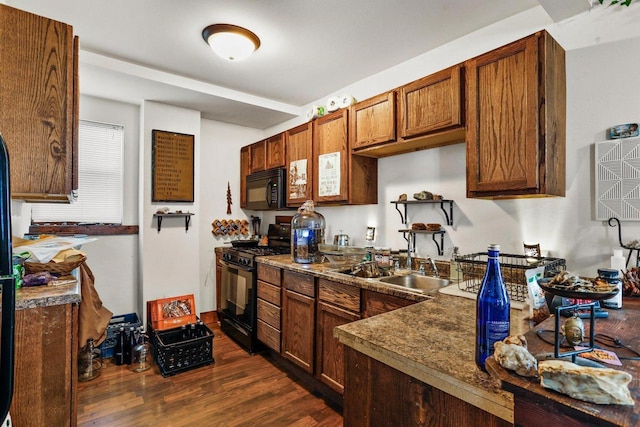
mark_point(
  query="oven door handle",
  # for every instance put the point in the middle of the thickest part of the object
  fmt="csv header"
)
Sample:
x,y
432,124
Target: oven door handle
x,y
236,266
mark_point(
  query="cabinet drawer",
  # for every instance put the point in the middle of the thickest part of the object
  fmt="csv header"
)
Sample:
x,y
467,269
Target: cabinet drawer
x,y
269,335
269,292
269,274
301,283
339,294
269,313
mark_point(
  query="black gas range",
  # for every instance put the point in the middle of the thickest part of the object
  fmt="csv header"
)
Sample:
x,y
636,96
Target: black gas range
x,y
239,286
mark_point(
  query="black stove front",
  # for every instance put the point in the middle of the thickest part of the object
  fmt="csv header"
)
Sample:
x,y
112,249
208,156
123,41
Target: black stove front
x,y
238,292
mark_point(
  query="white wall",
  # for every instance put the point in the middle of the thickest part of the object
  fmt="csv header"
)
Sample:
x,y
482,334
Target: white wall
x,y
113,259
169,260
220,164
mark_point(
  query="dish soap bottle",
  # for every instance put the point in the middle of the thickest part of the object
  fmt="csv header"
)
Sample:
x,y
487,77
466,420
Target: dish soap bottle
x,y
455,272
492,309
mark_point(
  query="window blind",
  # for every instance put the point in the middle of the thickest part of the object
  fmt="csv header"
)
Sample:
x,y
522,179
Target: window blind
x,y
100,179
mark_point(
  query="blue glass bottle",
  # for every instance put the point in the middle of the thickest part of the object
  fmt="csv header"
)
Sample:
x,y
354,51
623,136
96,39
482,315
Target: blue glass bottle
x,y
492,309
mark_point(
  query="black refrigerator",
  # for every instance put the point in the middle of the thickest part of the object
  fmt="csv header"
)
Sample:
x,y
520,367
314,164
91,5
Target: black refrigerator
x,y
8,287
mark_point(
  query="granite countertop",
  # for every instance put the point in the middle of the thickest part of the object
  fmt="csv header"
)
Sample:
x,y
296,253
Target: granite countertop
x,y
45,296
326,271
432,341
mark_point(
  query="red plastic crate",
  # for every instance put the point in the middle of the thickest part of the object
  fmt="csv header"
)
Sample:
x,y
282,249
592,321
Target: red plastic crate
x,y
173,312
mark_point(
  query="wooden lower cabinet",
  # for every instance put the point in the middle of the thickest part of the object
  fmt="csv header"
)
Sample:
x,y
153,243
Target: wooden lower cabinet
x,y
374,303
269,306
298,336
330,351
46,354
377,395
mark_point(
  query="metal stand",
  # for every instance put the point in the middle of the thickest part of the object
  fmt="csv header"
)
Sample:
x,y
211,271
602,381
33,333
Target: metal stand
x,y
630,249
592,325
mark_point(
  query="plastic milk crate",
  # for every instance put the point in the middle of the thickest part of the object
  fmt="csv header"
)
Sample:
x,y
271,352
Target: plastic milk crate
x,y
107,347
172,351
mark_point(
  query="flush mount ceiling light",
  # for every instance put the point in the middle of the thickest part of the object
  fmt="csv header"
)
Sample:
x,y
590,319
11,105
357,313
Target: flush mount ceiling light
x,y
231,42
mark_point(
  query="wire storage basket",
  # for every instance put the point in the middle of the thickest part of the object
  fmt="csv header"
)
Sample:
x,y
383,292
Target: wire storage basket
x,y
513,269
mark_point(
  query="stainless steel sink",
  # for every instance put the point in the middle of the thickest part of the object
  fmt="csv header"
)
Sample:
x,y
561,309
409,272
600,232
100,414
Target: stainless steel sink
x,y
426,284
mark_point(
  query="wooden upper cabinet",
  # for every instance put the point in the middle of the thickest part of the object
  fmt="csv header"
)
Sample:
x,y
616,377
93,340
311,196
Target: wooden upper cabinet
x,y
431,104
428,113
331,158
38,104
258,156
516,111
245,169
373,121
275,152
299,164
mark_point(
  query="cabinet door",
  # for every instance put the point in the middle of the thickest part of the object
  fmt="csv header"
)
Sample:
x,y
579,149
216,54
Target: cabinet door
x,y
298,329
37,104
373,121
374,303
46,354
275,152
431,104
516,103
502,149
330,351
245,169
331,158
298,152
258,156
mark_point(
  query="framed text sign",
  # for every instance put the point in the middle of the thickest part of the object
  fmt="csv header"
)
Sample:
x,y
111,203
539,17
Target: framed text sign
x,y
172,167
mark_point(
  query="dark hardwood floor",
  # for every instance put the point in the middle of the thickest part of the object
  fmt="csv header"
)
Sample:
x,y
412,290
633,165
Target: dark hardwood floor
x,y
237,390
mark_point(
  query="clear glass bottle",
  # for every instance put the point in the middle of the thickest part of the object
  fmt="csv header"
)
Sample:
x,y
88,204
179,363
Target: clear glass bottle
x,y
141,359
307,232
492,309
89,362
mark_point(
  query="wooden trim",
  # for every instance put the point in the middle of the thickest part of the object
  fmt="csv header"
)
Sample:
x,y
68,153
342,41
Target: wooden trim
x,y
91,230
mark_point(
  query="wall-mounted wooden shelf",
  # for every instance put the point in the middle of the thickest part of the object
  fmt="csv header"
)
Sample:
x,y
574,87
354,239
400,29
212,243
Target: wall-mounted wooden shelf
x,y
187,218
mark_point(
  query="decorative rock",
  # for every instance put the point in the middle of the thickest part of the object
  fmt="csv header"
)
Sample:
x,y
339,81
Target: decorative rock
x,y
512,354
603,386
423,195
402,197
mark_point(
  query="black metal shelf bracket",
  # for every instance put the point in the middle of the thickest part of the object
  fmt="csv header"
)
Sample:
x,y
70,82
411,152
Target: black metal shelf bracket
x,y
434,234
187,219
447,214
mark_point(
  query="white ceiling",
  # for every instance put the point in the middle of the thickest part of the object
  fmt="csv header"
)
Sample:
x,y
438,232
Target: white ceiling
x,y
153,49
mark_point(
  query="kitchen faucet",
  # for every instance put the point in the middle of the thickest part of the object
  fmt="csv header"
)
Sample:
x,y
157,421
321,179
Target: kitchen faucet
x,y
432,264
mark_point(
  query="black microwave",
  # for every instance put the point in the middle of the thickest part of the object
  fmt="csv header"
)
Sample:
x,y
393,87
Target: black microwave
x,y
265,190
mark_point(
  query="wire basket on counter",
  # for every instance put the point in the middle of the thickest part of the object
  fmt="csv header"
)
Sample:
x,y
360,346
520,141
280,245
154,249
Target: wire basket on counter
x,y
513,269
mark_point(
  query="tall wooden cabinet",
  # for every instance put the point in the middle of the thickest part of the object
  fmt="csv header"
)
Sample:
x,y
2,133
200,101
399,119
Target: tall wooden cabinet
x,y
339,176
299,164
39,104
516,120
